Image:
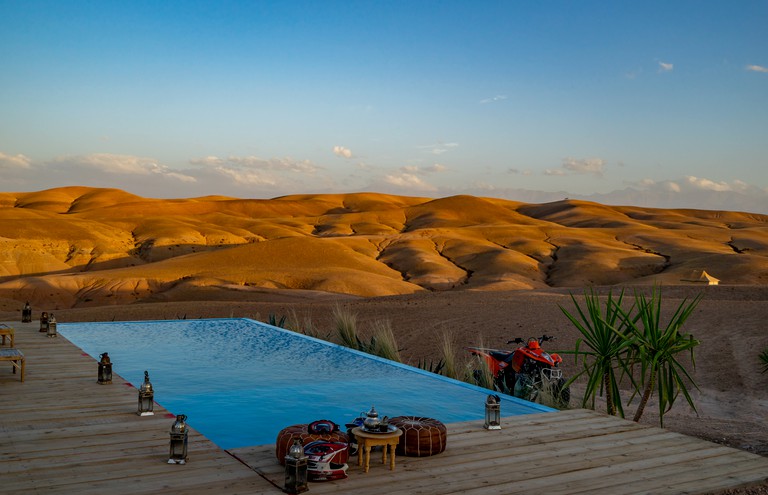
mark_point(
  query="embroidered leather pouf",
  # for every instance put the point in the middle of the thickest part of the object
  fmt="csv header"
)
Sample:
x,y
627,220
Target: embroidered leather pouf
x,y
421,436
287,435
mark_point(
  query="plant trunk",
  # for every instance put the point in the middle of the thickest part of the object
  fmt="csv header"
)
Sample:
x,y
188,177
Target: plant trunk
x,y
609,394
646,395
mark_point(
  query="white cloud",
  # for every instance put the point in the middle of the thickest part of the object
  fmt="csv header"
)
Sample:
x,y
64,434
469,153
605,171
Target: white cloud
x,y
672,186
756,68
692,184
247,177
416,170
436,168
707,185
408,181
112,164
493,99
439,148
584,166
555,172
342,151
109,163
666,67
208,160
17,161
255,162
690,192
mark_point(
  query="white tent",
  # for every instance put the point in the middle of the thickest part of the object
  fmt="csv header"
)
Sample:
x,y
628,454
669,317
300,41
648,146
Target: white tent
x,y
702,277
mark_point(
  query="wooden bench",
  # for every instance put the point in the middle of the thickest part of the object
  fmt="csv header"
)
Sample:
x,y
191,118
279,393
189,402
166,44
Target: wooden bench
x,y
6,331
16,358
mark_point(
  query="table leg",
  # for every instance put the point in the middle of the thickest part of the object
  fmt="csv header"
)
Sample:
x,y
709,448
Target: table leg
x,y
367,457
384,454
391,457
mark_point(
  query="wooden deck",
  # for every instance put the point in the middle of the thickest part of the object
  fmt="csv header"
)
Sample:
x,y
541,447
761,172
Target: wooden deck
x,y
61,432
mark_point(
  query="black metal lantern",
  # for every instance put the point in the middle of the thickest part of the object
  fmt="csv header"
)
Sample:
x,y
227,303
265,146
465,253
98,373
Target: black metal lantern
x,y
105,369
492,413
44,321
296,465
26,313
179,434
146,397
52,326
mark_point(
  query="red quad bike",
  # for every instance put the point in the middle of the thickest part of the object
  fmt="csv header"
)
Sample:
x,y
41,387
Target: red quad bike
x,y
528,372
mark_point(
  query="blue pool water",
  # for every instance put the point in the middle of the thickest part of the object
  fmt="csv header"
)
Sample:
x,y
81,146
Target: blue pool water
x,y
240,381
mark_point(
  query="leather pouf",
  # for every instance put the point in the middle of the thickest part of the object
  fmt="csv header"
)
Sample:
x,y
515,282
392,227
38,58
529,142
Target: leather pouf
x,y
287,435
421,436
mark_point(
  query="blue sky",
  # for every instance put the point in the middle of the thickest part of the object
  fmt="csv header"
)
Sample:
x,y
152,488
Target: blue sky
x,y
651,103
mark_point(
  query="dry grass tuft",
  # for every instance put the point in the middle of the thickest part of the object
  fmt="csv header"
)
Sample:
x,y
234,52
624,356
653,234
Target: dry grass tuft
x,y
345,323
383,341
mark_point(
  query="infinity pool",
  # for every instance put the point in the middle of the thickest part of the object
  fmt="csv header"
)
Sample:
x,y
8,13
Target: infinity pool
x,y
240,381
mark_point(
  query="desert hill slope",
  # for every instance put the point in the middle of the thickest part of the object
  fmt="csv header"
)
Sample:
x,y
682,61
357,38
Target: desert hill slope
x,y
79,246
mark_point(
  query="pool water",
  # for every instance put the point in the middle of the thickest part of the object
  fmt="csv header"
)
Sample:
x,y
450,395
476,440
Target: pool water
x,y
240,381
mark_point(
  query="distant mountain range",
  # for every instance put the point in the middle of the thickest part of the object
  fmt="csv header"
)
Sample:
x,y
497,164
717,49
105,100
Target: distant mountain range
x,y
79,246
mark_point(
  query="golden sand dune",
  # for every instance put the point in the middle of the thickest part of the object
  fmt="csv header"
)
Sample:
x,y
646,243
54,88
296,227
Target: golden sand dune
x,y
85,246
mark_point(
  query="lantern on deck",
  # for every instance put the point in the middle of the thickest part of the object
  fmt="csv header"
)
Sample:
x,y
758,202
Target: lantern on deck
x,y
52,326
296,467
492,413
105,369
146,397
179,434
44,321
26,313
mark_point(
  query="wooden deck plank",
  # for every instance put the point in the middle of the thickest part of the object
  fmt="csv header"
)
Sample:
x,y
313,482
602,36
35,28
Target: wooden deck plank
x,y
57,439
61,432
627,455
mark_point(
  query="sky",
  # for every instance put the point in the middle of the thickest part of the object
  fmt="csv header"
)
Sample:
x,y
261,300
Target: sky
x,y
655,103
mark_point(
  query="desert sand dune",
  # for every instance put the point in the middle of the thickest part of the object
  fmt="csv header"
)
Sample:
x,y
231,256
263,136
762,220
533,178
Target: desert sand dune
x,y
365,244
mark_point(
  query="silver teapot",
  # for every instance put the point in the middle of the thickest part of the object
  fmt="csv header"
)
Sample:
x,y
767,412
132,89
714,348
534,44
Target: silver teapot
x,y
371,421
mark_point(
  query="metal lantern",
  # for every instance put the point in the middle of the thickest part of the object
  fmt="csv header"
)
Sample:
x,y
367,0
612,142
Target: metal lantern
x,y
44,321
146,397
179,434
105,369
492,413
296,466
52,326
26,313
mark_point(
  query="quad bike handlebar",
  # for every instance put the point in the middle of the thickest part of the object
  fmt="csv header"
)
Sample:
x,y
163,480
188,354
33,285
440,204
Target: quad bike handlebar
x,y
543,338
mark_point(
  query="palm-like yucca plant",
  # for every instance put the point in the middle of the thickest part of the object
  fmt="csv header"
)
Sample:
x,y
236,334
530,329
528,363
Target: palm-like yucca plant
x,y
655,348
605,345
764,360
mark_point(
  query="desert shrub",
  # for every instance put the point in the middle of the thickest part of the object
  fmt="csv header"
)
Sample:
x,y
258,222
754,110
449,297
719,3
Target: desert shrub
x,y
551,394
345,323
276,322
448,352
304,325
383,342
764,360
431,366
477,372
